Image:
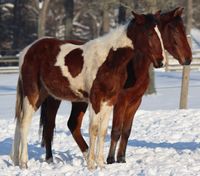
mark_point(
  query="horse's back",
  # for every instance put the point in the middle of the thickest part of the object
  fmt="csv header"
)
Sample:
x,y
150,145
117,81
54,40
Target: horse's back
x,y
48,62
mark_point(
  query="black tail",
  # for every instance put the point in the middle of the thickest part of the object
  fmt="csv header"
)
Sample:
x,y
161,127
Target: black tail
x,y
43,117
48,113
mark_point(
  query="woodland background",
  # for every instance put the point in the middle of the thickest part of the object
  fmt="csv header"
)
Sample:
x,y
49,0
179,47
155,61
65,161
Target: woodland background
x,y
23,21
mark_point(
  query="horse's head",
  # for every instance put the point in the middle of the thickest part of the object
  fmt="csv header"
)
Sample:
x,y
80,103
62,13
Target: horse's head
x,y
144,33
174,36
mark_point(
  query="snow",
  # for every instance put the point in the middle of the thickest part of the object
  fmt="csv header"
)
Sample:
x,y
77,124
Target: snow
x,y
164,140
195,34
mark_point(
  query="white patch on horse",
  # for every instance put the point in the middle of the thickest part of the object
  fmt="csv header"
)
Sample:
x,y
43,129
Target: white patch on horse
x,y
76,83
95,53
162,45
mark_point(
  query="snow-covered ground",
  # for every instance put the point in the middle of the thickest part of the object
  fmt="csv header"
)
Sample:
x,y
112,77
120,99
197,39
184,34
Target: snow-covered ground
x,y
164,140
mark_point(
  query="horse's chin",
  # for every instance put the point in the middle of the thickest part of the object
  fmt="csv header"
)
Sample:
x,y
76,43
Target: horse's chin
x,y
184,61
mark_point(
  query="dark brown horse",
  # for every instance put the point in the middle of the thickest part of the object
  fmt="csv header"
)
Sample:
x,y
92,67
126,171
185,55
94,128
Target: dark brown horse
x,y
94,72
175,42
129,100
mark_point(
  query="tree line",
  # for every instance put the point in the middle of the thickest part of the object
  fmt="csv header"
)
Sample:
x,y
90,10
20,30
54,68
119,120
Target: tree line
x,y
23,21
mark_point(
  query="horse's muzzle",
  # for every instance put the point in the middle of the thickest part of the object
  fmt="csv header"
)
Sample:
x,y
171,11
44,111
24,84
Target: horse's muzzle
x,y
187,61
158,64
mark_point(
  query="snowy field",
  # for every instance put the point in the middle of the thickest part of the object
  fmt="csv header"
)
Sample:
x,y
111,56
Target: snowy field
x,y
164,141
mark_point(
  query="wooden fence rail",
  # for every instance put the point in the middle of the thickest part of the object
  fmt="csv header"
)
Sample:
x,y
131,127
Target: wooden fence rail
x,y
9,64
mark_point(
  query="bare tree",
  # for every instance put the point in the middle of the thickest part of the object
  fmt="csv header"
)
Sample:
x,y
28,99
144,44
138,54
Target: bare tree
x,y
42,17
186,69
69,9
151,88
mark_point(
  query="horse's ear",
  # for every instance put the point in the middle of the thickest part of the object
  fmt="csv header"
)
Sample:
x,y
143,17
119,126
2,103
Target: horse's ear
x,y
138,18
178,11
157,14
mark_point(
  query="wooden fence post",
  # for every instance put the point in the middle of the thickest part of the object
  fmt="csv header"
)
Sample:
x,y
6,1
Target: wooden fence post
x,y
185,83
167,61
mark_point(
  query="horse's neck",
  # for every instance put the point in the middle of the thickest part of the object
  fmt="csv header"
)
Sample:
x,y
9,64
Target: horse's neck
x,y
115,39
138,71
141,65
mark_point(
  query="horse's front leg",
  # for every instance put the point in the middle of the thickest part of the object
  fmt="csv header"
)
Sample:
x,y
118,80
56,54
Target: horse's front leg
x,y
93,131
103,126
117,123
127,125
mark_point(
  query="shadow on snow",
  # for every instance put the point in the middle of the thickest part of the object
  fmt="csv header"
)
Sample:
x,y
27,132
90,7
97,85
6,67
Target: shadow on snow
x,y
177,145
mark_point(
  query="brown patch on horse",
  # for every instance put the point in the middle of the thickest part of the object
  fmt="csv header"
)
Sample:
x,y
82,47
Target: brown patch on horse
x,y
74,61
110,78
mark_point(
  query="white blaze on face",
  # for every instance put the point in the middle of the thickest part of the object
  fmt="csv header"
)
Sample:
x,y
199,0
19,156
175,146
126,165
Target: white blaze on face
x,y
162,45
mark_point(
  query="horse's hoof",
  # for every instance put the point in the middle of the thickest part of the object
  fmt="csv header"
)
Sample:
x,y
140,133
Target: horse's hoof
x,y
23,165
100,163
101,166
110,160
91,167
49,160
85,155
121,159
14,160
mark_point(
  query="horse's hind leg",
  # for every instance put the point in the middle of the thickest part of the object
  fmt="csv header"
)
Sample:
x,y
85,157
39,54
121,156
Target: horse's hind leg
x,y
20,152
15,150
127,125
74,124
49,110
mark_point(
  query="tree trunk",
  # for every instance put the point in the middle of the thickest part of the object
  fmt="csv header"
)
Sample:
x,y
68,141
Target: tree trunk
x,y
122,14
151,88
69,9
106,19
42,18
186,69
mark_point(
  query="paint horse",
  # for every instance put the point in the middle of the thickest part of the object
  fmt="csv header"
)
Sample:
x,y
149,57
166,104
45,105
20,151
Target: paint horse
x,y
94,72
175,41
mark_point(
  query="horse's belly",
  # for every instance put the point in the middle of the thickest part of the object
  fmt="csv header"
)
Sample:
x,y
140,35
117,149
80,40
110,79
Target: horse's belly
x,y
64,92
60,87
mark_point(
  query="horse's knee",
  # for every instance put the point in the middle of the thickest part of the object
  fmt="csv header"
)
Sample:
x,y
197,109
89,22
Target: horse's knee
x,y
94,130
115,134
126,134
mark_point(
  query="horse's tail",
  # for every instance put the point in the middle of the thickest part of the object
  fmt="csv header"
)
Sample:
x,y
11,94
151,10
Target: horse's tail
x,y
19,100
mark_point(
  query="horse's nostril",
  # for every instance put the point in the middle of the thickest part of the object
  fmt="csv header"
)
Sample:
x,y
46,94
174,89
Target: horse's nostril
x,y
187,61
160,63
